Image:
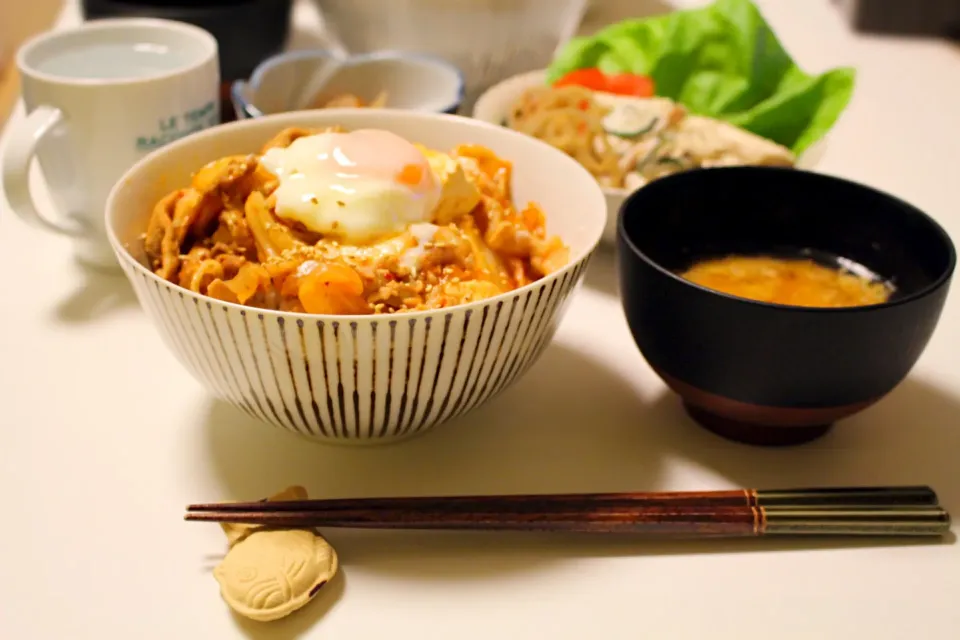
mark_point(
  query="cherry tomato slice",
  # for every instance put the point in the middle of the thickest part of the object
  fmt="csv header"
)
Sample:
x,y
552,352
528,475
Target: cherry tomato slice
x,y
590,78
630,84
624,84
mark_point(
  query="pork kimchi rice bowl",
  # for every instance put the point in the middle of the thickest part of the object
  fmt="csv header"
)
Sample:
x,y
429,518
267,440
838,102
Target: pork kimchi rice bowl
x,y
356,275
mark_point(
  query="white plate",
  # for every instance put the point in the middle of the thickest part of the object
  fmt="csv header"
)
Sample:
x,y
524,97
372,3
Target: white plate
x,y
494,105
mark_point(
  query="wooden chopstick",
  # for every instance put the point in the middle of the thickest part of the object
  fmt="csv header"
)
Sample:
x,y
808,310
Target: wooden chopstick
x,y
840,496
689,521
902,511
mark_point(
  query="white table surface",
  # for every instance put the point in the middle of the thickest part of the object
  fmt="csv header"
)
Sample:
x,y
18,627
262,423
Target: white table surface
x,y
104,438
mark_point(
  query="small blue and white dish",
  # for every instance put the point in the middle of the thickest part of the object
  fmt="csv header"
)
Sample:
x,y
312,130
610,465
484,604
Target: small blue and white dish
x,y
300,79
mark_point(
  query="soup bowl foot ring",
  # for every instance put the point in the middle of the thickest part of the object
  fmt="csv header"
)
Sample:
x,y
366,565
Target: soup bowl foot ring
x,y
764,435
757,424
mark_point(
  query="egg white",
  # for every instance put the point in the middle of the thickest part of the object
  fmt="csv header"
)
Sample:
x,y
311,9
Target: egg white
x,y
358,206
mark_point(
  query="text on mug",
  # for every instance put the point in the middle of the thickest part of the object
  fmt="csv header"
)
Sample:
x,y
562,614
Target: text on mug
x,y
173,127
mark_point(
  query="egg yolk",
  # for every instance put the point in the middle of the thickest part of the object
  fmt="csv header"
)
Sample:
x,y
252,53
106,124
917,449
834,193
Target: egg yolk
x,y
357,186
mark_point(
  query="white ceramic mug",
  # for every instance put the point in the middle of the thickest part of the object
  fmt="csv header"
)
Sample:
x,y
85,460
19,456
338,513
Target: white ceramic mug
x,y
99,98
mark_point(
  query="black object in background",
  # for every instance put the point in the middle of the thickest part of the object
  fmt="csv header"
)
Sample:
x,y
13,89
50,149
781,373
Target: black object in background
x,y
247,31
904,17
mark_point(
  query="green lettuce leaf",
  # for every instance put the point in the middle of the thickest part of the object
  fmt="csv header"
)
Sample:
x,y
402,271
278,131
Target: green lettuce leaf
x,y
722,61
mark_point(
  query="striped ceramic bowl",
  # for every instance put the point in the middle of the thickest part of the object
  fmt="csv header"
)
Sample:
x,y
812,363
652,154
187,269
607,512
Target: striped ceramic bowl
x,y
360,379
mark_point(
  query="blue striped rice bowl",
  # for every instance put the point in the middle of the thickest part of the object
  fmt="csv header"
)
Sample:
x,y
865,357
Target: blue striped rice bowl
x,y
360,379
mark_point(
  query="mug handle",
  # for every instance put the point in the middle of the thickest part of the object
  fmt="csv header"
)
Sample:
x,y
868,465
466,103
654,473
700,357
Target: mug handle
x,y
21,150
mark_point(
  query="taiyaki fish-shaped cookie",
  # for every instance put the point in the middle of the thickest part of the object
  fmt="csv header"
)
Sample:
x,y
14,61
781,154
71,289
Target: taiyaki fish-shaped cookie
x,y
270,573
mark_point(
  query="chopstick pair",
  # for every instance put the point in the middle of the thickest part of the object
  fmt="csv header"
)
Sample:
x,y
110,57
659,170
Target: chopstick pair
x,y
845,511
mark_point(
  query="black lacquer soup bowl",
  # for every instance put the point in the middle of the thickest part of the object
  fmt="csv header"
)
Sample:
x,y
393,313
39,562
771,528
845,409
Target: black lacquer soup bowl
x,y
767,373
